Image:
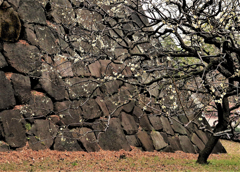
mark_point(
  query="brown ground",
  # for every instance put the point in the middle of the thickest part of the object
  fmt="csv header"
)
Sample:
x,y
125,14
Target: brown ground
x,y
102,160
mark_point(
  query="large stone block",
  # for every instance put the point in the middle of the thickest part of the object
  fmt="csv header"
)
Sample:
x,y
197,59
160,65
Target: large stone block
x,y
114,138
156,122
174,143
145,140
47,42
7,99
23,57
166,125
90,109
128,123
22,88
39,106
65,141
32,12
158,140
52,82
197,141
43,133
186,144
69,112
81,87
14,131
87,138
3,62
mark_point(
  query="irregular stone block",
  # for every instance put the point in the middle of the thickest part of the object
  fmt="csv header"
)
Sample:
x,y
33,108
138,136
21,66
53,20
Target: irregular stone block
x,y
90,109
28,59
128,123
80,69
114,107
87,138
186,144
63,65
95,69
102,105
174,143
202,136
7,99
145,140
22,88
156,122
178,127
133,140
81,87
39,106
69,112
198,142
52,82
114,138
32,12
43,133
158,141
144,123
62,12
14,131
111,87
65,141
48,41
166,125
10,25
3,62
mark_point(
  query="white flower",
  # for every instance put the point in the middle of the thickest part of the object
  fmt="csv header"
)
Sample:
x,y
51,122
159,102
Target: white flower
x,y
169,58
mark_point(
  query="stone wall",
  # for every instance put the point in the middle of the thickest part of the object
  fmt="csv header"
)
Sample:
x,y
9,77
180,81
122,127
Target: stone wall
x,y
48,99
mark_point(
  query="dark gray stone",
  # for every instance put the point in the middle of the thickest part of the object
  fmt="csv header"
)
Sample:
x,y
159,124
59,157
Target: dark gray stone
x,y
178,127
158,140
114,139
47,40
144,123
3,62
133,140
128,123
43,133
39,106
145,140
81,87
113,106
14,131
52,83
23,57
69,112
166,125
198,142
156,122
186,144
22,88
90,109
88,139
31,12
174,143
7,99
65,141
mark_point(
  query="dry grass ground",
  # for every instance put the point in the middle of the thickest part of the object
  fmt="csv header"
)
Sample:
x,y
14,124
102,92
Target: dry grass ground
x,y
47,160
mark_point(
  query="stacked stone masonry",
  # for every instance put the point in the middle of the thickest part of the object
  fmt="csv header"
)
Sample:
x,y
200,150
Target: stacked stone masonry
x,y
43,97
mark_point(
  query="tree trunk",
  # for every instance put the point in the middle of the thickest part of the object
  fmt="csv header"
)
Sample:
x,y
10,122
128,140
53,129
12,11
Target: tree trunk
x,y
223,119
204,154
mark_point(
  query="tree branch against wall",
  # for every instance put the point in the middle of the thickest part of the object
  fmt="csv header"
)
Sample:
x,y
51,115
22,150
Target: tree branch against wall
x,y
188,51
